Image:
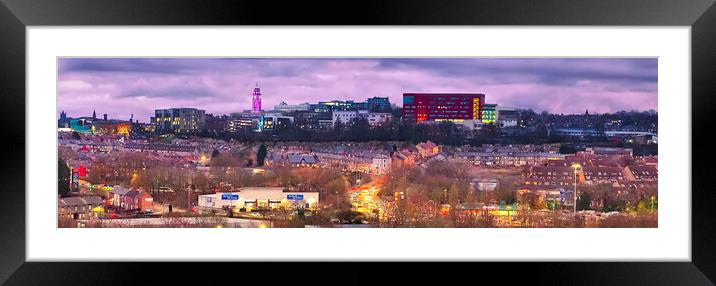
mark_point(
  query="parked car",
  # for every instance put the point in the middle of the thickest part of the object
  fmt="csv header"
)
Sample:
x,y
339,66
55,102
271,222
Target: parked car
x,y
165,190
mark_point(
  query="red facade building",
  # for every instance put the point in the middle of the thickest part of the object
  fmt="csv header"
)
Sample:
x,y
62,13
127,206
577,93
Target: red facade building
x,y
137,200
419,107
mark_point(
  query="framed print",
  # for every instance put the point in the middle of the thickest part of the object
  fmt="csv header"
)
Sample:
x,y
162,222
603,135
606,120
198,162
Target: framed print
x,y
473,132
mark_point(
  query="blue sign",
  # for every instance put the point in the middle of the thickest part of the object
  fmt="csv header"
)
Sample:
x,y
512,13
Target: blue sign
x,y
75,181
229,196
296,197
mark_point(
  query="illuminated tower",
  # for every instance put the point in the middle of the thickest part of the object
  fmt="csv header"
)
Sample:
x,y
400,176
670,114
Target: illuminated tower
x,y
256,100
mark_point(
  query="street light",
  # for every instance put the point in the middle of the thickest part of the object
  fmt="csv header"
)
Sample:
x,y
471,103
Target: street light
x,y
652,203
576,167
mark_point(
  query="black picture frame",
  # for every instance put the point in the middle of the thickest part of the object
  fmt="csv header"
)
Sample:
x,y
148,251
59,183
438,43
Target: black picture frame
x,y
16,15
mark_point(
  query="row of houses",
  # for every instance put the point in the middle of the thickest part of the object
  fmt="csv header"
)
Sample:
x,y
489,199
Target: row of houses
x,y
79,207
376,164
120,198
592,175
507,159
427,149
558,182
292,160
185,150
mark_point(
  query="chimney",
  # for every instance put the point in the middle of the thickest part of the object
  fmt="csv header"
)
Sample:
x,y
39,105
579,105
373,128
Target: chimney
x,y
105,116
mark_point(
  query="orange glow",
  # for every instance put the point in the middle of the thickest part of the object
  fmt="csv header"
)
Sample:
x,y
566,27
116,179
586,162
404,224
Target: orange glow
x,y
422,117
122,129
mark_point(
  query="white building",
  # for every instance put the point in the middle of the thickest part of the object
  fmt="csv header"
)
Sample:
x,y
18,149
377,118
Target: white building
x,y
381,164
117,192
506,116
374,118
344,116
255,197
470,124
378,118
484,185
285,107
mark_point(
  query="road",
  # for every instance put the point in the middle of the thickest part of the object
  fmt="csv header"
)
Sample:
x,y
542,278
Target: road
x,y
365,199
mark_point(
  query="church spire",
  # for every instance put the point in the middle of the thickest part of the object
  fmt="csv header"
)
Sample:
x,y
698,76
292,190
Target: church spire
x,y
94,114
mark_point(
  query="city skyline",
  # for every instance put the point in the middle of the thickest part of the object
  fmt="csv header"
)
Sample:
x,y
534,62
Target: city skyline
x,y
223,85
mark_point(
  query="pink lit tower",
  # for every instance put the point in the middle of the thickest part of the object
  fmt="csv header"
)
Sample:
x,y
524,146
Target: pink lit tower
x,y
256,100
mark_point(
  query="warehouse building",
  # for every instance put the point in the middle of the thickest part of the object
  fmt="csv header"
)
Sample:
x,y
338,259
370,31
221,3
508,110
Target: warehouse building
x,y
259,197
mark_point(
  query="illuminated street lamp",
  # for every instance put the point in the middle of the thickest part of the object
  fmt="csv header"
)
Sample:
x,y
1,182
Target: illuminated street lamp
x,y
576,167
652,203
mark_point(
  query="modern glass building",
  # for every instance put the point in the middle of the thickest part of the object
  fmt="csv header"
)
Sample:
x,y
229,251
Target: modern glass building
x,y
179,120
456,107
81,125
378,104
489,113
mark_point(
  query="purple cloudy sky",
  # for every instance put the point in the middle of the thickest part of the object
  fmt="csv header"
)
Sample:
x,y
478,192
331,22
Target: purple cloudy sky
x,y
122,86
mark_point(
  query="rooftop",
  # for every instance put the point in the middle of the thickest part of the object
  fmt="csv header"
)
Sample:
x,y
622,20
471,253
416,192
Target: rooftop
x,y
76,201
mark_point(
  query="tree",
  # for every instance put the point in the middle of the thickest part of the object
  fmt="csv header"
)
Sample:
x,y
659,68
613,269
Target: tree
x,y
261,155
336,186
214,153
225,161
63,177
338,129
508,197
584,201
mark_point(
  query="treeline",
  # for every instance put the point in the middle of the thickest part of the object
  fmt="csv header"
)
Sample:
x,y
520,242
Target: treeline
x,y
633,119
533,129
360,130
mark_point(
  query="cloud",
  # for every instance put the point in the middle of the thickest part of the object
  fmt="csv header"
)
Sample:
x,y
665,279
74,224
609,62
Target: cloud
x,y
566,71
175,92
74,85
224,85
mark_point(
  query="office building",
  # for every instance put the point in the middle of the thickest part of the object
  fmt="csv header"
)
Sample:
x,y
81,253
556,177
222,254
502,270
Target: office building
x,y
311,120
286,108
455,107
378,104
179,120
344,117
489,113
506,116
236,124
274,122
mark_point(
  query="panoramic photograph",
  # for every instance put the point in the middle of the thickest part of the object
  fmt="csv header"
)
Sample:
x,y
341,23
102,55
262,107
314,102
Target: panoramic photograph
x,y
426,142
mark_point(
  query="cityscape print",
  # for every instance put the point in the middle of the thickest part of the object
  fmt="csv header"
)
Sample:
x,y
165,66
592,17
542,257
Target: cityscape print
x,y
357,142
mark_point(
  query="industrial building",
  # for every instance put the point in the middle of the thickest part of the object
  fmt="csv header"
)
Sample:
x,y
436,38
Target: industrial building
x,y
249,198
455,107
